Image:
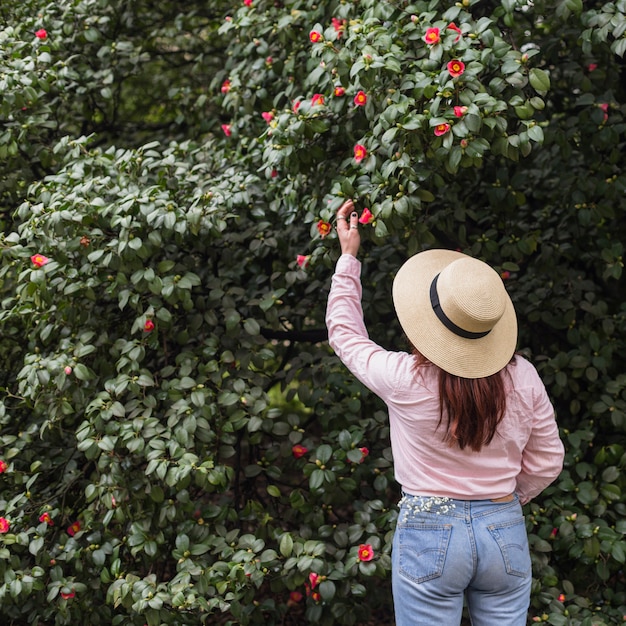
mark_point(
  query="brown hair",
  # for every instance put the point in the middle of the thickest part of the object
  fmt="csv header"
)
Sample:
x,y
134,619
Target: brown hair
x,y
473,407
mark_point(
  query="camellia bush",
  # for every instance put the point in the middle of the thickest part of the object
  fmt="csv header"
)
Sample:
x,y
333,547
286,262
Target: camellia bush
x,y
178,443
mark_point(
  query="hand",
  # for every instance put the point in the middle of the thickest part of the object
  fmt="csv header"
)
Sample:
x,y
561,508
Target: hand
x,y
348,228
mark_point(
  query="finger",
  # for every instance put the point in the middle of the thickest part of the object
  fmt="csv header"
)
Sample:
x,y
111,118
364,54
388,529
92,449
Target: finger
x,y
345,208
354,220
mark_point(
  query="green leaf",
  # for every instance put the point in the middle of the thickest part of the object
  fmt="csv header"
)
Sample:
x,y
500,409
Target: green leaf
x,y
539,80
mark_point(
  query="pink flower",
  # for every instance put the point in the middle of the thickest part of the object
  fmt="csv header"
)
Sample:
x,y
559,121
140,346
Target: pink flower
x,y
360,99
39,260
441,129
302,260
314,579
605,107
41,34
360,152
323,228
339,91
454,27
248,3
315,36
45,517
73,528
505,275
296,105
432,36
317,98
460,111
268,116
299,451
67,369
4,525
456,68
227,129
592,67
366,218
366,552
3,466
148,327
225,88
68,595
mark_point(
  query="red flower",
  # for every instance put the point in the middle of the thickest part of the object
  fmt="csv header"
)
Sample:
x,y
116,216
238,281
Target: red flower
x,y
456,68
432,36
339,91
441,129
302,261
225,86
561,597
366,552
314,36
3,466
360,152
294,598
314,579
148,327
454,27
274,173
248,3
4,525
360,99
366,218
605,107
268,116
41,34
460,111
296,105
39,260
317,98
45,517
227,131
323,228
299,451
68,595
505,275
592,67
553,533
339,26
72,529
364,451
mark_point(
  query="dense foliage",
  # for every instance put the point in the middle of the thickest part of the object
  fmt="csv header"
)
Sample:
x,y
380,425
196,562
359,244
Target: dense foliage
x,y
178,443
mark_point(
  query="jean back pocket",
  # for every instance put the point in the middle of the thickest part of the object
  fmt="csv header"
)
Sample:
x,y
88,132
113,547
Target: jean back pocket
x,y
512,540
422,550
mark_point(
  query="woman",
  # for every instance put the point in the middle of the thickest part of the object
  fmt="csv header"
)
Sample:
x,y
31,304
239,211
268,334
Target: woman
x,y
473,432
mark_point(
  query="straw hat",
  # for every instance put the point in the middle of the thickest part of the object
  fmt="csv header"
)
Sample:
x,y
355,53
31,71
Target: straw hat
x,y
455,310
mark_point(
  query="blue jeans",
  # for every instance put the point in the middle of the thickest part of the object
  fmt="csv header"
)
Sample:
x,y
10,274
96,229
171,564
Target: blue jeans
x,y
445,551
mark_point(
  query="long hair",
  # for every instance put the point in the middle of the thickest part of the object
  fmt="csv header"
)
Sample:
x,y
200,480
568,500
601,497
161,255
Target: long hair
x,y
472,407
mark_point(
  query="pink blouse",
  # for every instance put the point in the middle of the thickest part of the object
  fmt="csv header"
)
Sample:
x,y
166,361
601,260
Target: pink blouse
x,y
525,455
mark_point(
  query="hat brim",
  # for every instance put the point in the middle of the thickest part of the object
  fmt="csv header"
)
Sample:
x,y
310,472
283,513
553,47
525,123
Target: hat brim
x,y
467,358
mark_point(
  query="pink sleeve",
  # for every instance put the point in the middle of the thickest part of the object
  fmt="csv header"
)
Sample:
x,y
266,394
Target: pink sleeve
x,y
542,459
372,365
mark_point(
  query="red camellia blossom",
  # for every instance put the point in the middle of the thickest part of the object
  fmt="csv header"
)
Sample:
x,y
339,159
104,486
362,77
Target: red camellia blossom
x,y
366,552
456,68
45,517
339,26
317,98
225,88
315,37
67,595
227,130
561,597
148,327
4,525
366,218
295,105
360,152
294,598
432,36
299,451
339,91
314,579
72,529
592,67
39,260
302,260
248,3
605,107
360,99
460,111
41,34
505,275
364,452
454,27
323,228
441,129
3,466
268,116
